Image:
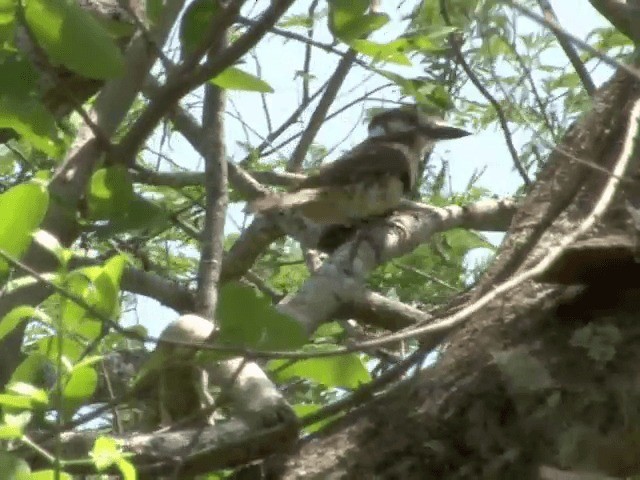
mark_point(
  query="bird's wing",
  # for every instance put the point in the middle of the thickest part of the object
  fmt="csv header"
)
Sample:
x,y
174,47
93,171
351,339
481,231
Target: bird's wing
x,y
370,158
285,200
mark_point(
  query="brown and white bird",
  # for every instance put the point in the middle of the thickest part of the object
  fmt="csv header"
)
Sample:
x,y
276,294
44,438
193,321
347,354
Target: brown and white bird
x,y
373,177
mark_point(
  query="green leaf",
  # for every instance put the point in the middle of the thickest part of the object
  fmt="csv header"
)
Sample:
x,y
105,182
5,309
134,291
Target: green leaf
x,y
349,21
9,432
113,268
195,23
105,452
425,93
110,192
566,80
7,20
461,241
14,318
235,79
392,52
247,319
81,384
17,76
31,120
79,387
127,469
72,37
98,286
329,330
36,395
13,467
53,245
22,209
296,21
344,371
32,369
22,282
52,347
49,475
20,419
304,409
7,11
429,39
141,216
15,401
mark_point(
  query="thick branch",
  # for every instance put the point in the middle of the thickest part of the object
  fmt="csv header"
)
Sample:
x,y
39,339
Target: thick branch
x,y
199,450
623,16
215,185
341,276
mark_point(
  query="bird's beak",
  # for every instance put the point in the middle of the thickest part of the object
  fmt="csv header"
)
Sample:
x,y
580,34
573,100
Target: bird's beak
x,y
444,132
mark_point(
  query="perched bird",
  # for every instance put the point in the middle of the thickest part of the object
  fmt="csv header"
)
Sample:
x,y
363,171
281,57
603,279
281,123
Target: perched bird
x,y
372,178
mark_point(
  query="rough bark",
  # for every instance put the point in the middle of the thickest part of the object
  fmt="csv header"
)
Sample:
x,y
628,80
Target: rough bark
x,y
544,375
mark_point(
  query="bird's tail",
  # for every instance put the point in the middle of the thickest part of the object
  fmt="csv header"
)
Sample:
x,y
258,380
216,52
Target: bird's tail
x,y
281,201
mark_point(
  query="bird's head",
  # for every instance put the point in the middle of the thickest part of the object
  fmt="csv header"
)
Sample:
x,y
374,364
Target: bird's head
x,y
411,119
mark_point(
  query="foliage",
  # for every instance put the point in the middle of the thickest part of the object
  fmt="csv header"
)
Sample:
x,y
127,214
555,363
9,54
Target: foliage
x,y
124,222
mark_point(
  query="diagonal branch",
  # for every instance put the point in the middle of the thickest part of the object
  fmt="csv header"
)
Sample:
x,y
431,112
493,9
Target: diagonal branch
x,y
456,44
623,16
557,29
569,50
180,83
320,113
341,277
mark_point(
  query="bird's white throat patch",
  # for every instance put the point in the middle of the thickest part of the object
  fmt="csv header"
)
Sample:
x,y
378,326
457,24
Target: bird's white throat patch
x,y
377,131
390,127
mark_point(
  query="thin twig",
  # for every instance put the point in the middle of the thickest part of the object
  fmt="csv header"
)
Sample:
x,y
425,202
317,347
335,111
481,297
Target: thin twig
x,y
365,392
320,113
409,268
534,89
456,45
329,117
568,48
327,47
306,67
554,27
182,81
263,96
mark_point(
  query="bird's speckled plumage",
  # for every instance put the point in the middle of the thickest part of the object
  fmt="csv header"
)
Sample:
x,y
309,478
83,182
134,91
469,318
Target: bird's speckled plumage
x,y
371,178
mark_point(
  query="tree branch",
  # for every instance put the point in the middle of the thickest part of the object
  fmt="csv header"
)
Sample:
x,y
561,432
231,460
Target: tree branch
x,y
623,16
179,83
557,29
569,50
320,113
215,185
340,277
456,45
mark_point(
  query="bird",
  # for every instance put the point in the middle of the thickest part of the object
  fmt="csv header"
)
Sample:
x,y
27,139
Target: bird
x,y
371,179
